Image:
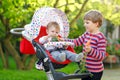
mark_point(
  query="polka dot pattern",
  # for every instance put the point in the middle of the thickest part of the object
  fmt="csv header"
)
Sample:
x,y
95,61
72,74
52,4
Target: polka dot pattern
x,y
42,17
58,44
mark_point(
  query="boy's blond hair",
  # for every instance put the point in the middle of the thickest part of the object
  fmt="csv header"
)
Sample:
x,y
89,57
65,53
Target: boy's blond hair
x,y
53,24
94,16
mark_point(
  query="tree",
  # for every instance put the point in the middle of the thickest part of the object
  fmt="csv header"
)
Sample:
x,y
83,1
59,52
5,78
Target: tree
x,y
109,8
13,14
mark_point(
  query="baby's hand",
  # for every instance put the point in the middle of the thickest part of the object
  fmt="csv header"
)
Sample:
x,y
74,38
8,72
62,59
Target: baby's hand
x,y
49,35
61,39
65,46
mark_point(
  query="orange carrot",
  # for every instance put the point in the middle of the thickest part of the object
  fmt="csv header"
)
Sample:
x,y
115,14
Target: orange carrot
x,y
58,37
88,43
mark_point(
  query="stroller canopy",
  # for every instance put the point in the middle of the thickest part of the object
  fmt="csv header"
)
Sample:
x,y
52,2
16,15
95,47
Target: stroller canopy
x,y
41,18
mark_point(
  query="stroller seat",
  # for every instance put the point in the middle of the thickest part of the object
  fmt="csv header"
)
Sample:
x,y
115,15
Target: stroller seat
x,y
43,33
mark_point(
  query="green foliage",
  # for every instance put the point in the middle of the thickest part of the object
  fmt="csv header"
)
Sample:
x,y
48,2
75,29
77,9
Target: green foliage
x,y
33,74
110,49
82,67
110,9
21,75
76,31
118,52
17,13
55,39
114,48
118,41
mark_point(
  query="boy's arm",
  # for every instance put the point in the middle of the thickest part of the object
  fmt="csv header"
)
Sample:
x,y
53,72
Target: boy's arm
x,y
100,52
78,41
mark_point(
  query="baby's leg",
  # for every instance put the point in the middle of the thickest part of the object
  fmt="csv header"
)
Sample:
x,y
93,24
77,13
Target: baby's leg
x,y
57,55
72,56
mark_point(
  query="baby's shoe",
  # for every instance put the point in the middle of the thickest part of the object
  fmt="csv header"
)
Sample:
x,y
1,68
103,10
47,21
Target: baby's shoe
x,y
79,57
39,66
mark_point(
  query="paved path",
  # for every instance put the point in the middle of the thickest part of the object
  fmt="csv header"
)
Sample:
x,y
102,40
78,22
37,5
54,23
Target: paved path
x,y
111,74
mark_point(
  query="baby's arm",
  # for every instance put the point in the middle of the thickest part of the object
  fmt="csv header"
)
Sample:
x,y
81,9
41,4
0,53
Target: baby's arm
x,y
78,41
43,39
100,52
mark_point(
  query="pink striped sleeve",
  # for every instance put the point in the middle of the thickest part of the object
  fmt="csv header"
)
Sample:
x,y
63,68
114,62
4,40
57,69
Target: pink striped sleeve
x,y
100,52
78,41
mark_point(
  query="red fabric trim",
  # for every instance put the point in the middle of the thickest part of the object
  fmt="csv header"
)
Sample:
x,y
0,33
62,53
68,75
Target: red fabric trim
x,y
42,33
26,47
65,62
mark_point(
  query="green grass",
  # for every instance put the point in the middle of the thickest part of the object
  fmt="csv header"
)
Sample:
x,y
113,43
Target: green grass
x,y
22,75
30,74
14,74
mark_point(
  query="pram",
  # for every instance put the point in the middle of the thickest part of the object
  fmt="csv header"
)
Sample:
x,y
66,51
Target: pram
x,y
36,29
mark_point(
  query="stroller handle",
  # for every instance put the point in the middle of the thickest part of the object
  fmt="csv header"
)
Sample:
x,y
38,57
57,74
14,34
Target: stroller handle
x,y
17,31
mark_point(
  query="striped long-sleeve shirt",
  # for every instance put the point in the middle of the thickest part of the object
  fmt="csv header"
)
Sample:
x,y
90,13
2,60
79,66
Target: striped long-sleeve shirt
x,y
97,54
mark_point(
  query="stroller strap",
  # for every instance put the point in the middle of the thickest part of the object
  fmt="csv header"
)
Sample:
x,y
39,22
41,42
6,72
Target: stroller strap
x,y
56,49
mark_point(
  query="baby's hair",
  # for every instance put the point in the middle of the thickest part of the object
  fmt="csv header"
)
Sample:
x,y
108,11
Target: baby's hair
x,y
94,16
53,24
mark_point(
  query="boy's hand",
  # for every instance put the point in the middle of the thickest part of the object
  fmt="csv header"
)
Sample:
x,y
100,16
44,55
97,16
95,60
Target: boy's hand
x,y
87,48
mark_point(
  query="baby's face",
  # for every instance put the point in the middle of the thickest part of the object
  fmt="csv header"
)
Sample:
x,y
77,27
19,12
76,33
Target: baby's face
x,y
53,32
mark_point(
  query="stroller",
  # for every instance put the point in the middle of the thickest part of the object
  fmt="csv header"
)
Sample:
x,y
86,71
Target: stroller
x,y
36,29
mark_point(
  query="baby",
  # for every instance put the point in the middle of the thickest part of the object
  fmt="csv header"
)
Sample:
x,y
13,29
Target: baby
x,y
59,54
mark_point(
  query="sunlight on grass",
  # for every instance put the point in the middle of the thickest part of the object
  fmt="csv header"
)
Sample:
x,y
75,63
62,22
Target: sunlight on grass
x,y
21,75
14,74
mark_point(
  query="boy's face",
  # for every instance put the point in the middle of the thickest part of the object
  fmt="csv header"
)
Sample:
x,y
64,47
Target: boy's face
x,y
90,26
53,32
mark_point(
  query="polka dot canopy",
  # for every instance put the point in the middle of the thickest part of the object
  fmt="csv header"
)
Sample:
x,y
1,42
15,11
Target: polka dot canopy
x,y
42,17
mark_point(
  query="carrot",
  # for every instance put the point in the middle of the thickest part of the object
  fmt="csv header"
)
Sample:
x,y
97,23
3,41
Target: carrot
x,y
58,37
88,43
85,56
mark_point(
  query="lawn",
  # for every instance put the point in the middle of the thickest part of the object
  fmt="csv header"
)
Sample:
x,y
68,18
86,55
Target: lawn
x,y
14,74
22,75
